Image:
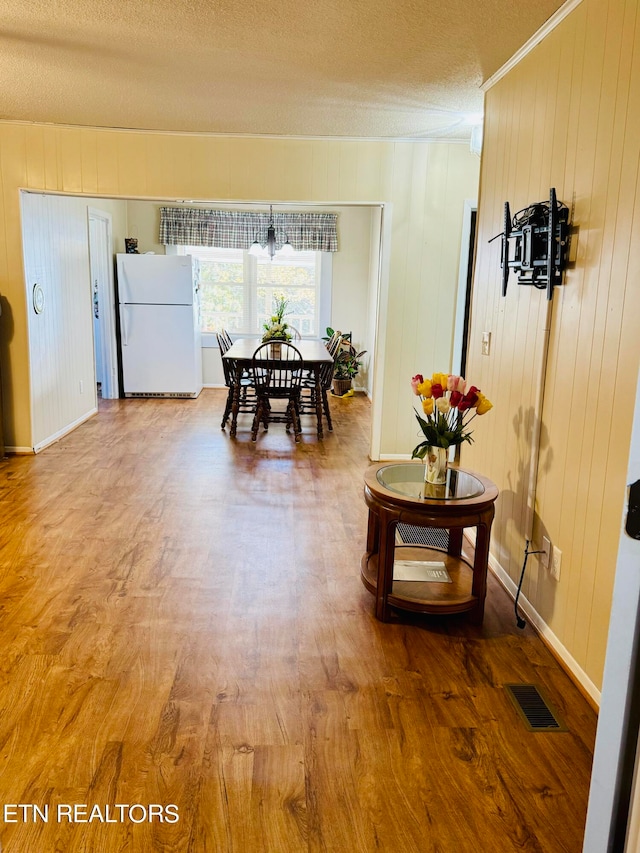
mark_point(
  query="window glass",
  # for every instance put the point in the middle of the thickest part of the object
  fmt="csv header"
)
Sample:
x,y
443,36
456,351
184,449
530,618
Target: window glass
x,y
293,277
238,290
222,292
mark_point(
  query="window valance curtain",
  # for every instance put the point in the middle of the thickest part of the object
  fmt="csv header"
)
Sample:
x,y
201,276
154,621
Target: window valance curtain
x,y
235,229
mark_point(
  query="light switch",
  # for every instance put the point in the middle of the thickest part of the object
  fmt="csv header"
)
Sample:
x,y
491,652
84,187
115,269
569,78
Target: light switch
x,y
486,343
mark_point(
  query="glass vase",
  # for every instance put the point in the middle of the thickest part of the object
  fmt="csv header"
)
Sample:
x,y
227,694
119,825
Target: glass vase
x,y
435,465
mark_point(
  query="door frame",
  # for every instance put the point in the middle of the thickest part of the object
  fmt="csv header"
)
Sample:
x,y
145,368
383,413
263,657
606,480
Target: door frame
x,y
106,301
611,800
465,285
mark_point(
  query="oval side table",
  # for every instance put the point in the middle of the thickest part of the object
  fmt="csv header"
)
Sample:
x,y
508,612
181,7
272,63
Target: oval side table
x,y
396,493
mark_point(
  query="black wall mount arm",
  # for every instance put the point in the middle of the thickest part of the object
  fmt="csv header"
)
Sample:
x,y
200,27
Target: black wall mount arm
x,y
535,244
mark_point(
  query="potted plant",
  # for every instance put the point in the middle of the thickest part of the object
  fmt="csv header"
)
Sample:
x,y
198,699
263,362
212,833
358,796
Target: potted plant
x,y
345,369
277,329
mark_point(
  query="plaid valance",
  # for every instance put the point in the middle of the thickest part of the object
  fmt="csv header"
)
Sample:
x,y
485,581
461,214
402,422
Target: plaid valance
x,y
236,229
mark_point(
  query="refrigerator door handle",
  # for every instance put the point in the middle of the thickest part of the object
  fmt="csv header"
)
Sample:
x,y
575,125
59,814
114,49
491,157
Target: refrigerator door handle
x,y
123,325
123,282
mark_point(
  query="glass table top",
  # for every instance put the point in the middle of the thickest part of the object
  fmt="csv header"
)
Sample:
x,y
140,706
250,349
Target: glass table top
x,y
408,480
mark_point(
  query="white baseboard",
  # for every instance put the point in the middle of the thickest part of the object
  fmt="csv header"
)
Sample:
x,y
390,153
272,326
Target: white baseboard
x,y
538,623
20,451
64,431
213,385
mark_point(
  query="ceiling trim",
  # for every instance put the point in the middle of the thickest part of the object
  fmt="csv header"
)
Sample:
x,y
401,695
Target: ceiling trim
x,y
549,25
455,140
236,203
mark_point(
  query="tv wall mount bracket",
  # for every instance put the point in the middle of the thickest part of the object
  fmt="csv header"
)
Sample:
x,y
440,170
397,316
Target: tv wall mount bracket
x,y
535,244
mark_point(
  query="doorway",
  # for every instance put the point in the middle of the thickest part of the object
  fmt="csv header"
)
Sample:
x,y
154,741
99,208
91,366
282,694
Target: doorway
x,y
103,302
465,285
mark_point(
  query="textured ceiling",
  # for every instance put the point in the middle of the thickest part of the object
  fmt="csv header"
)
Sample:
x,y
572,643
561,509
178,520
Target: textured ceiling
x,y
355,68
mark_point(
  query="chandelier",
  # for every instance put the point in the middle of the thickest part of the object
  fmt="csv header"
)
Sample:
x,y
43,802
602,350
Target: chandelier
x,y
260,249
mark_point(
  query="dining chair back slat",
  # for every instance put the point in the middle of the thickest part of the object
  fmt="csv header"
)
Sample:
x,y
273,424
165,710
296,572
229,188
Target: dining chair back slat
x,y
334,342
277,375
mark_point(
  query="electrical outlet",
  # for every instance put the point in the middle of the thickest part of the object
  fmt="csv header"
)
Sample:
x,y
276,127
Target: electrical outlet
x,y
81,387
486,343
546,547
556,563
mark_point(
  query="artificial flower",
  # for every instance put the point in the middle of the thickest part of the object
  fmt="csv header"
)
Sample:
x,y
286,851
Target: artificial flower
x,y
469,400
278,328
483,405
415,382
448,410
424,388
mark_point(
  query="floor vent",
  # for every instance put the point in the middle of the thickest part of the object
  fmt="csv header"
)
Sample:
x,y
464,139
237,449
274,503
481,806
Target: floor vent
x,y
433,537
536,712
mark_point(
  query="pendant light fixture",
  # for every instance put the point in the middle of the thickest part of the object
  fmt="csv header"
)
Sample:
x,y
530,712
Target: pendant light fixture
x,y
257,248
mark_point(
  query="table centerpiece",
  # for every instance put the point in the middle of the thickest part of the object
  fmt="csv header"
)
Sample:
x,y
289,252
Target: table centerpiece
x,y
277,330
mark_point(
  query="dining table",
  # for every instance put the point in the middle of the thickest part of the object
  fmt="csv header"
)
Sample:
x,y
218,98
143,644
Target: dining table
x,y
314,354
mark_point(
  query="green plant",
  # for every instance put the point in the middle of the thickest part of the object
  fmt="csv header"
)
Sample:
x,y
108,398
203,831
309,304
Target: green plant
x,y
277,329
345,337
347,363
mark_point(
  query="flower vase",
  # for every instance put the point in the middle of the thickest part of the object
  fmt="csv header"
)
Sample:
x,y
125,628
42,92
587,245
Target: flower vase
x,y
435,468
276,350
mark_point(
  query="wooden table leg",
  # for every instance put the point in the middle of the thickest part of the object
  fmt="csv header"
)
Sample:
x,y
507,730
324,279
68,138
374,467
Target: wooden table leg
x,y
386,556
373,533
480,566
455,541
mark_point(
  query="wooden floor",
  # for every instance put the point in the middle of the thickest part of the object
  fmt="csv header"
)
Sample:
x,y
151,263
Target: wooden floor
x,y
182,622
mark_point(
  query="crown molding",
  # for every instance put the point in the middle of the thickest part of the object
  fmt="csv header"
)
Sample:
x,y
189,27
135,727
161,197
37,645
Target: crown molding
x,y
391,140
549,25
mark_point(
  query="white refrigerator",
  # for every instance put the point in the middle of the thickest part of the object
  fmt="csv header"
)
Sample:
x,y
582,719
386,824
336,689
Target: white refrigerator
x,y
159,312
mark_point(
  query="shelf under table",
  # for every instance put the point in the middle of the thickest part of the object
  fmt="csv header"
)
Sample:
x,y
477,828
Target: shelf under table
x,y
425,596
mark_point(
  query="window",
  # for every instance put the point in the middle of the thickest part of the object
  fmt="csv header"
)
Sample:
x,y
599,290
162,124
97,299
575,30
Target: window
x,y
237,290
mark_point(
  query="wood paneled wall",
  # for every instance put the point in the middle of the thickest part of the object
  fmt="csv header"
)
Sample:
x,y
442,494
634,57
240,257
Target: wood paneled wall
x,y
423,185
568,116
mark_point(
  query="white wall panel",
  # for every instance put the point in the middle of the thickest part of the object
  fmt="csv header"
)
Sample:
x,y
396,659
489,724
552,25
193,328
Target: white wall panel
x,y
56,256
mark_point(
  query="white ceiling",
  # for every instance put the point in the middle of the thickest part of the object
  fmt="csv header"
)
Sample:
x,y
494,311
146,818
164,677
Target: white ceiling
x,y
351,68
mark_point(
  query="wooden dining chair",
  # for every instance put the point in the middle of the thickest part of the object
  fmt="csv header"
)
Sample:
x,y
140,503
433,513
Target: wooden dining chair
x,y
334,342
311,388
247,399
277,378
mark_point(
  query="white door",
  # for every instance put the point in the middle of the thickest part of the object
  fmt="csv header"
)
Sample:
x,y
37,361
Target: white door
x,y
610,795
103,302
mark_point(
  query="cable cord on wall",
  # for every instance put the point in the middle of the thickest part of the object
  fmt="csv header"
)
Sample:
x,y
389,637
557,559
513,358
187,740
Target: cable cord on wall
x,y
520,622
535,453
